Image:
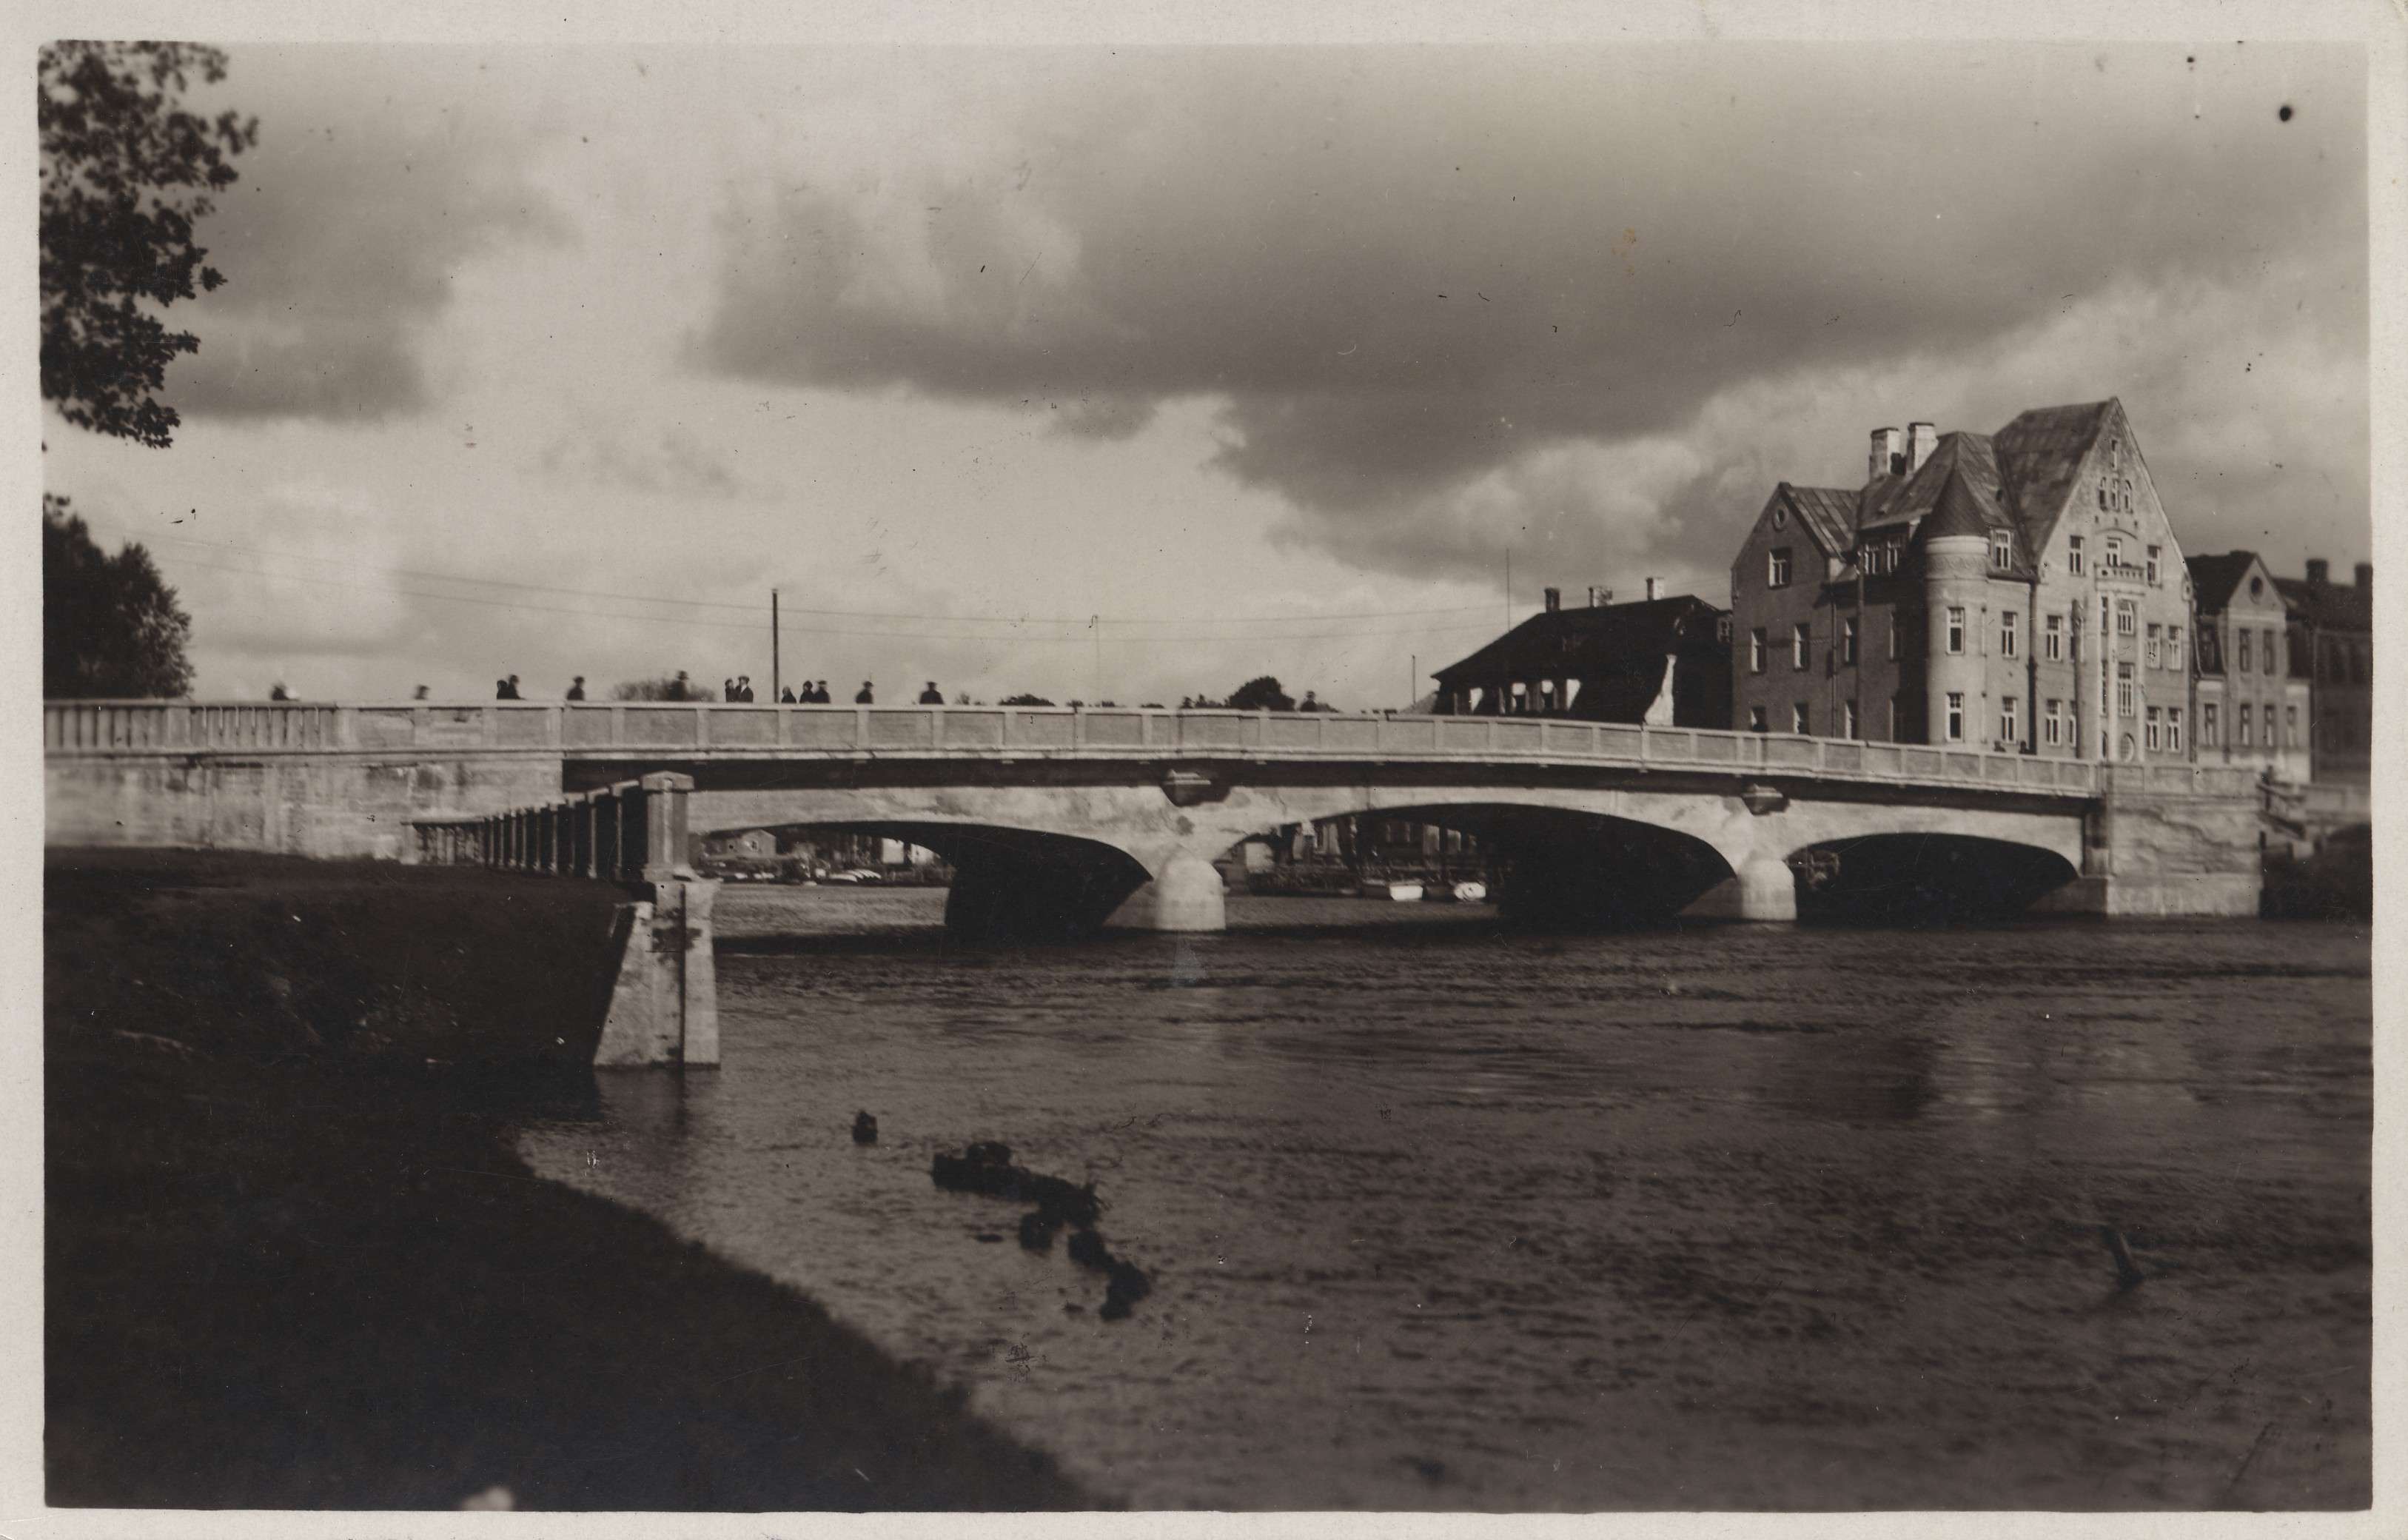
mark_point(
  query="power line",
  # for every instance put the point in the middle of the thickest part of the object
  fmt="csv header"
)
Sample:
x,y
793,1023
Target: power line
x,y
1082,622
834,631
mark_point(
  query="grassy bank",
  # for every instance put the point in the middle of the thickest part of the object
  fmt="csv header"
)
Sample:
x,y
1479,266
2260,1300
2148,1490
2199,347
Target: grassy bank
x,y
293,1262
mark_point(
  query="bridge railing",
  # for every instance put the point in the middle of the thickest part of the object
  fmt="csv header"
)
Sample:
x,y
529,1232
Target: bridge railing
x,y
632,832
650,730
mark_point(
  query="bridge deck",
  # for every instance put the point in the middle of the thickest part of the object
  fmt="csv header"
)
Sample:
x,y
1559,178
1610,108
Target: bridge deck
x,y
650,732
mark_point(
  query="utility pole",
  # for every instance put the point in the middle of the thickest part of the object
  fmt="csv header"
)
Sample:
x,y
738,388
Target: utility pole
x,y
773,644
1412,681
1098,623
1508,588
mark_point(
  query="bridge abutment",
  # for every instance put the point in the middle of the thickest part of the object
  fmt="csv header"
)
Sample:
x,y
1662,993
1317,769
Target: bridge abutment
x,y
665,1001
2184,853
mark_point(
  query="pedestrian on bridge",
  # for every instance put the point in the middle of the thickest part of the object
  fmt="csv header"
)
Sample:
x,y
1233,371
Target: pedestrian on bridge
x,y
508,689
787,698
728,689
865,698
820,695
932,696
744,688
577,688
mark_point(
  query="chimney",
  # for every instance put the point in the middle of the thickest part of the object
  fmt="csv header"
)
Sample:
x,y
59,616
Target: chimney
x,y
1655,588
1555,600
1921,439
1888,456
2366,575
2318,571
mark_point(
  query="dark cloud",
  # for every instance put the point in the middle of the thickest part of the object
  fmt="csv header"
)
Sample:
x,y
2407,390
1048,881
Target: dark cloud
x,y
377,174
1413,276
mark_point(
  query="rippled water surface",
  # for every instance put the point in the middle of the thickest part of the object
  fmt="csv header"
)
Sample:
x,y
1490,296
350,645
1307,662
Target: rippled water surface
x,y
1438,1215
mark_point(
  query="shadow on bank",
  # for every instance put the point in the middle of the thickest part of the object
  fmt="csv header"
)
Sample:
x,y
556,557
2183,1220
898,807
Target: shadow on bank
x,y
294,1262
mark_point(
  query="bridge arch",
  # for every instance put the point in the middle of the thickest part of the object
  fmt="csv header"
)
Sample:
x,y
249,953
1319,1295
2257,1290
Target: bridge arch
x,y
1924,879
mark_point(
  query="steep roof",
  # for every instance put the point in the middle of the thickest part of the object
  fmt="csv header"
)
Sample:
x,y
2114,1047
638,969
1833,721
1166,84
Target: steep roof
x,y
1590,640
2213,579
1966,454
2038,454
1828,511
1960,511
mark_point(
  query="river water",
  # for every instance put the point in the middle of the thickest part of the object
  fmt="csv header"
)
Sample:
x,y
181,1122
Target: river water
x,y
1438,1215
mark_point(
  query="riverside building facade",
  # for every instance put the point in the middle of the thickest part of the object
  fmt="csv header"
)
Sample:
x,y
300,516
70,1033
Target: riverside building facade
x,y
2251,699
2019,590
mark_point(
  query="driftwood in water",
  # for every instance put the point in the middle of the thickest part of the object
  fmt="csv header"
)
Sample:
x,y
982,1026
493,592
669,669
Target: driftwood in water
x,y
986,1168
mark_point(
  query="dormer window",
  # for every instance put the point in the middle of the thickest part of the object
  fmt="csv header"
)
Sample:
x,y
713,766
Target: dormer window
x,y
2002,550
2073,554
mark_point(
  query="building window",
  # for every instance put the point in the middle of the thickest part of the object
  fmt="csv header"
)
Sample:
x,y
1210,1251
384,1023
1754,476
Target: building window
x,y
2240,727
1756,719
1801,643
2052,725
2124,696
2207,724
2073,554
2174,729
1723,630
2290,727
2156,645
1848,643
1756,651
2102,493
2153,730
2011,721
2241,651
1956,716
1777,570
2174,648
2155,551
1854,729
2002,551
2270,659
2115,553
2010,632
2127,617
1955,628
2052,641
1893,636
1798,717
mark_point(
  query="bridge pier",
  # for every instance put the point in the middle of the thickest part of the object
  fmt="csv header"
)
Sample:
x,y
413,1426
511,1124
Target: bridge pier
x,y
1186,893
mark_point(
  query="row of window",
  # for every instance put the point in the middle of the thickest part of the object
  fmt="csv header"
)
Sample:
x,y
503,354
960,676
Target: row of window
x,y
2060,723
2165,642
2250,728
1881,558
2110,557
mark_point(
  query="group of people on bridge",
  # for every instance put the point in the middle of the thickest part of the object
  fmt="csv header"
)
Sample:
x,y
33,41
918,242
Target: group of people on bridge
x,y
738,689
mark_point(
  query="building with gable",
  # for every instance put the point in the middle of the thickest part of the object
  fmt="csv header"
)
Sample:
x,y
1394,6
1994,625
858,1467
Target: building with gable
x,y
2251,699
2021,589
1663,660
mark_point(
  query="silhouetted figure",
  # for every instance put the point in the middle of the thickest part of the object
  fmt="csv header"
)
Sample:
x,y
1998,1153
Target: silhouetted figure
x,y
278,692
864,1128
727,688
682,688
508,689
420,694
577,688
821,696
932,696
865,698
744,688
787,698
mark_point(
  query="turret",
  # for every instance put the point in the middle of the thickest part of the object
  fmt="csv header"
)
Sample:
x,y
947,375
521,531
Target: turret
x,y
1956,581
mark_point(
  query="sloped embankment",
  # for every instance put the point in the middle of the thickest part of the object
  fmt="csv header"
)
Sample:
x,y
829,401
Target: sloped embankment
x,y
293,1260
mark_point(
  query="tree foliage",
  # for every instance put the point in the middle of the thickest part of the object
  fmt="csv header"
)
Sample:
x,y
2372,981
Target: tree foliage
x,y
126,174
1259,693
110,625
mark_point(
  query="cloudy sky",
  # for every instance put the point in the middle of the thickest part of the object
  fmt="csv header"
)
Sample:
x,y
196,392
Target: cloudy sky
x,y
1131,373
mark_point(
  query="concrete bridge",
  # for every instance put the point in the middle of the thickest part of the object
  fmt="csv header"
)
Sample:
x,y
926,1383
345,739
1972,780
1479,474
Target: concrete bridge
x,y
1056,819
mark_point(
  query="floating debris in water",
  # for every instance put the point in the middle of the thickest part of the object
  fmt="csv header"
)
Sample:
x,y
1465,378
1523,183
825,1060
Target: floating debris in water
x,y
2128,1275
986,1168
864,1128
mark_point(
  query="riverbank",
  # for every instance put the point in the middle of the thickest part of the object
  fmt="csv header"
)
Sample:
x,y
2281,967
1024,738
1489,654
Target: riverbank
x,y
293,1260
